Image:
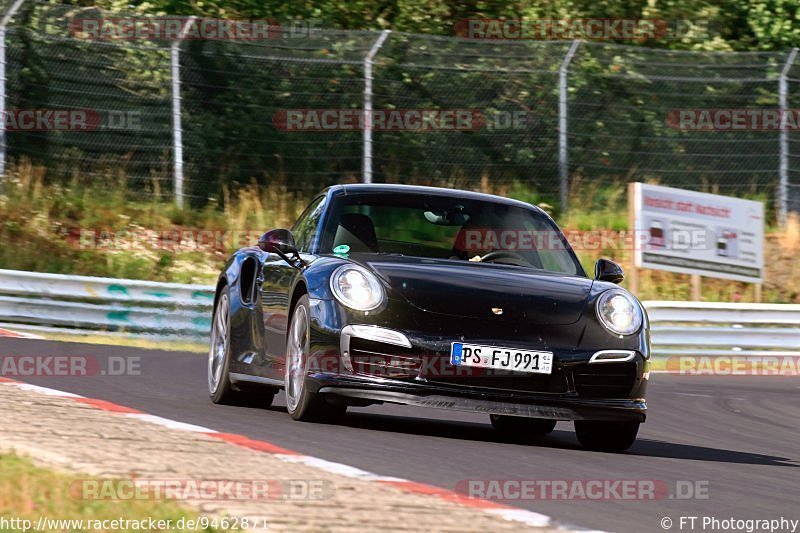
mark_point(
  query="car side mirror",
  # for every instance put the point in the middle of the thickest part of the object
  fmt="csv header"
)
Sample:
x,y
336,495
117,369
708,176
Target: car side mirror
x,y
607,270
281,242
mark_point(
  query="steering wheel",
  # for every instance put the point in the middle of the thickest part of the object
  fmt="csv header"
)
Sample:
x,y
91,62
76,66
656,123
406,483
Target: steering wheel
x,y
515,258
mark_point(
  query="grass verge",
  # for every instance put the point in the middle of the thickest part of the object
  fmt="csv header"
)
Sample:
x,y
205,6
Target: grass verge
x,y
42,228
132,341
28,492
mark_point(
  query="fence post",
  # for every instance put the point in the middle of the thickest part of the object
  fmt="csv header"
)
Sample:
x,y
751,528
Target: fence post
x,y
177,127
783,166
367,172
3,23
563,147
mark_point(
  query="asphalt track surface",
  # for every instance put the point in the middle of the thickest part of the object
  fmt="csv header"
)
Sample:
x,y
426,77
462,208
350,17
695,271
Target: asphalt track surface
x,y
736,436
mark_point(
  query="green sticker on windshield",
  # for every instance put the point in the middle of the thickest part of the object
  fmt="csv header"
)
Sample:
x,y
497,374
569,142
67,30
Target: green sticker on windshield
x,y
342,249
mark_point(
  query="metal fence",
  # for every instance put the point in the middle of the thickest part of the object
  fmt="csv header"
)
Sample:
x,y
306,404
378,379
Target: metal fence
x,y
54,302
188,117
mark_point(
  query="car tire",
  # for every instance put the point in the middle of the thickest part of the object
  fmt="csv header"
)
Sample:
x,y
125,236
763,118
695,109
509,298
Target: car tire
x,y
301,402
518,425
606,436
220,388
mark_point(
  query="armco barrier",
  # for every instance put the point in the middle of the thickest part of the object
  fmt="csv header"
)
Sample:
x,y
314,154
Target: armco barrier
x,y
170,310
59,286
718,328
184,311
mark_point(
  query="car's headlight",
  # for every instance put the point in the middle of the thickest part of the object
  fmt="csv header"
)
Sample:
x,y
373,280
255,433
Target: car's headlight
x,y
619,312
356,288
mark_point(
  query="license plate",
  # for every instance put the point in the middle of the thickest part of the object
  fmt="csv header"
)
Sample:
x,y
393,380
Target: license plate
x,y
495,357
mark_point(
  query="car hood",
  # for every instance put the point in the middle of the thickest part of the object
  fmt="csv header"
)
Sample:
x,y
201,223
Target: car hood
x,y
466,289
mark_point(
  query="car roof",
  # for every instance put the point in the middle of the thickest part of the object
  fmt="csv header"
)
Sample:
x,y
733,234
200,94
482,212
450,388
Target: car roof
x,y
396,188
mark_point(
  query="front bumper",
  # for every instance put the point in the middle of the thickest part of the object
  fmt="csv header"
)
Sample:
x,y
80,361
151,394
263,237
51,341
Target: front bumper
x,y
473,400
407,366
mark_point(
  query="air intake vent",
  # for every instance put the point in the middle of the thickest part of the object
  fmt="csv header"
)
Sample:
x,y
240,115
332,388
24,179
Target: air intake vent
x,y
383,360
605,381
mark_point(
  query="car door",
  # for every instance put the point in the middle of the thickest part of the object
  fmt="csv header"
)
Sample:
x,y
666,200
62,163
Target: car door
x,y
278,280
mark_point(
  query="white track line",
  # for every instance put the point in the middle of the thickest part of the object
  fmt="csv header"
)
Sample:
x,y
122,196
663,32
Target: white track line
x,y
523,516
336,468
10,333
168,423
42,390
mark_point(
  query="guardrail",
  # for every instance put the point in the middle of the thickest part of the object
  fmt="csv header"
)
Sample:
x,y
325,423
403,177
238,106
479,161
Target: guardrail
x,y
174,310
718,328
34,300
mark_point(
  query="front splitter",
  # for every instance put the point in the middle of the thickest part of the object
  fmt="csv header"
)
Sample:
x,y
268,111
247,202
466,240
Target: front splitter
x,y
473,405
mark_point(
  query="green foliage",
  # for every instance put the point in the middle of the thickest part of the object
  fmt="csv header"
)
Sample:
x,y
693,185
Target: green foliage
x,y
705,24
232,92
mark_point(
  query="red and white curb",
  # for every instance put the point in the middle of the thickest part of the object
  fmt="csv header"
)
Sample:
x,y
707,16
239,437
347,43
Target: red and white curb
x,y
17,334
523,516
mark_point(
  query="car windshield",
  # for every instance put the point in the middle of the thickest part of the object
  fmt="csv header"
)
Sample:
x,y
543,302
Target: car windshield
x,y
447,228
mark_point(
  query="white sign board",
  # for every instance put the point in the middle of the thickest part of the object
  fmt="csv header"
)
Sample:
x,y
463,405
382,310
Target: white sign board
x,y
698,233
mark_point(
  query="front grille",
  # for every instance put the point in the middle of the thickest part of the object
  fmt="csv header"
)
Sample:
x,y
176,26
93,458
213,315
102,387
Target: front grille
x,y
397,362
605,380
513,381
383,360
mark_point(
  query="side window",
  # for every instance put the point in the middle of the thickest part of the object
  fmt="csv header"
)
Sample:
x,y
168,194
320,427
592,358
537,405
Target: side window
x,y
304,230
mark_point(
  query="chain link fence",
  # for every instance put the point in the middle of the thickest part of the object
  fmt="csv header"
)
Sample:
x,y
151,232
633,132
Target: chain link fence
x,y
547,126
123,91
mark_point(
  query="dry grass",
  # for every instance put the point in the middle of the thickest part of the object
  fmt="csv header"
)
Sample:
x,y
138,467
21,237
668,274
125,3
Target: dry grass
x,y
781,273
37,220
261,208
782,280
41,224
28,492
134,341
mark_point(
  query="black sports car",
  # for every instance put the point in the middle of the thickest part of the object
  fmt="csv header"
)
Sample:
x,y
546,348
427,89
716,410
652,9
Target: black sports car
x,y
431,297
